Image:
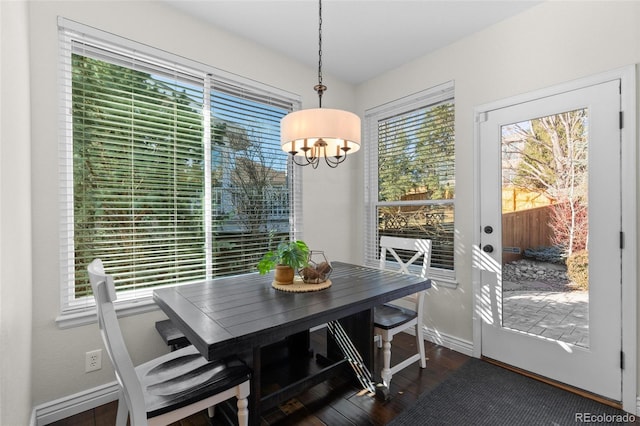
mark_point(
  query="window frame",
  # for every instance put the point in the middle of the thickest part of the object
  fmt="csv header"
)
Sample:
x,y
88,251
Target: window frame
x,y
72,311
432,96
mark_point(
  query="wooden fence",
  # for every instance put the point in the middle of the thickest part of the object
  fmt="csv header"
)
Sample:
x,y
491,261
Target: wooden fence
x,y
525,229
516,199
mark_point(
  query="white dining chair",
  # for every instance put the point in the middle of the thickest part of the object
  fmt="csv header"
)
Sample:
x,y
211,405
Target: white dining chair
x,y
171,387
391,319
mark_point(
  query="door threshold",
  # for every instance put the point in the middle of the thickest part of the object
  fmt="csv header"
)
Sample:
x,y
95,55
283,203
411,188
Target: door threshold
x,y
554,383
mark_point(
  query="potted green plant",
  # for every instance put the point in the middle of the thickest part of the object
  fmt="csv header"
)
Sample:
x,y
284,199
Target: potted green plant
x,y
286,259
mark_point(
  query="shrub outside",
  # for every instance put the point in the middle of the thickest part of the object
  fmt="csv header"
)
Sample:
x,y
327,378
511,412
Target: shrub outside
x,y
578,269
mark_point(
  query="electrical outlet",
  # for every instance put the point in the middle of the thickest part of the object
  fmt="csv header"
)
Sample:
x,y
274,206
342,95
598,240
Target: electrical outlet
x,y
93,360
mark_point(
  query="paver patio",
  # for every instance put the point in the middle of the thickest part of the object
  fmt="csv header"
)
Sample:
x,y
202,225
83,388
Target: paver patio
x,y
562,316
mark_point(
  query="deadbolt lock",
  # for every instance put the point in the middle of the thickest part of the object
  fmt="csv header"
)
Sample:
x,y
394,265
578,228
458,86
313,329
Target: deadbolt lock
x,y
488,248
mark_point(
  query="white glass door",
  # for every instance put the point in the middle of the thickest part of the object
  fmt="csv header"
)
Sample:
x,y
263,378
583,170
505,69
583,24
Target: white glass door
x,y
550,212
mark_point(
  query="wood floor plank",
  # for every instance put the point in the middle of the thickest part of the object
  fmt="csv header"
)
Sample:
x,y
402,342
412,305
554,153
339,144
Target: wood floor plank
x,y
105,415
81,419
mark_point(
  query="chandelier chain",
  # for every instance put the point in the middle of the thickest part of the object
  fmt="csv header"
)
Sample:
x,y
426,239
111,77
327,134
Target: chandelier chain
x,y
320,43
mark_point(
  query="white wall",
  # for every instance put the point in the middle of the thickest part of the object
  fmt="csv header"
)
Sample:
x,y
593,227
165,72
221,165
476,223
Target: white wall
x,y
15,212
58,355
549,44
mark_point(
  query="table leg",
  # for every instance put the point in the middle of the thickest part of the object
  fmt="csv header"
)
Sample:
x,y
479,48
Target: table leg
x,y
356,347
356,344
256,395
359,327
299,345
351,354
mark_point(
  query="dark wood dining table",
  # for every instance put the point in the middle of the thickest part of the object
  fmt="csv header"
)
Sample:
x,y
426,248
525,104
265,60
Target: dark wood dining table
x,y
243,314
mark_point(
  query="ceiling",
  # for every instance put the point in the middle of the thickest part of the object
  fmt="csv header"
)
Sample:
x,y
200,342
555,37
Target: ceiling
x,y
360,39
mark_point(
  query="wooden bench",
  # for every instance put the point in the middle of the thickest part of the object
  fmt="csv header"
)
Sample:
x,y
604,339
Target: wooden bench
x,y
171,335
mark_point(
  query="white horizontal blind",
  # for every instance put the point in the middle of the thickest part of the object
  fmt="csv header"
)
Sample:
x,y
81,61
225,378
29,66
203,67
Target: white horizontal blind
x,y
410,173
167,177
250,186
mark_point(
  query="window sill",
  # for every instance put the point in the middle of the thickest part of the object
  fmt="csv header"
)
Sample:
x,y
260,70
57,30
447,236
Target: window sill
x,y
76,319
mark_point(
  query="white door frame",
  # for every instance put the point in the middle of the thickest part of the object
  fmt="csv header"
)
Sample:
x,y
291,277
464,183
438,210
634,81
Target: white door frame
x,y
629,209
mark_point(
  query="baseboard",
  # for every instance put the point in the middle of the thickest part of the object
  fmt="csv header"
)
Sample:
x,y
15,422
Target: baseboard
x,y
450,342
71,405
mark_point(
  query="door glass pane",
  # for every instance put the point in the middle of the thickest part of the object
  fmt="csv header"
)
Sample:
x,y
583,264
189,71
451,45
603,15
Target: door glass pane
x,y
545,227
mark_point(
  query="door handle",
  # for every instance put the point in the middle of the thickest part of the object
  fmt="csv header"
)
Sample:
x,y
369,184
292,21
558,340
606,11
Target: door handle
x,y
488,248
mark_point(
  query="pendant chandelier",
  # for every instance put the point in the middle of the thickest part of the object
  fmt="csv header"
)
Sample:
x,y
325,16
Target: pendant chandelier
x,y
311,134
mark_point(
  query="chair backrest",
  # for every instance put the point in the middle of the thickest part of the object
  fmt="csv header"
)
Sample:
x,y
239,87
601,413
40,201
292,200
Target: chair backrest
x,y
104,293
420,247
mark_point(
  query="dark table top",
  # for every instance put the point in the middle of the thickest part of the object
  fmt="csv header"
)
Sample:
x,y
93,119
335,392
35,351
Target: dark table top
x,y
233,314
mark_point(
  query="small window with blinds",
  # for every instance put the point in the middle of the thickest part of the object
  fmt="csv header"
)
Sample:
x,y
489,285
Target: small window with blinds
x,y
172,173
410,174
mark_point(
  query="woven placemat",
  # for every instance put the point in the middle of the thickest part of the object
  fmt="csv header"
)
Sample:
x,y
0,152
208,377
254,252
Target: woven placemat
x,y
299,286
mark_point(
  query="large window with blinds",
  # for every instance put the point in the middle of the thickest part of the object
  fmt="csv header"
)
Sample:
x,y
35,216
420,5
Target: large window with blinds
x,y
172,172
410,175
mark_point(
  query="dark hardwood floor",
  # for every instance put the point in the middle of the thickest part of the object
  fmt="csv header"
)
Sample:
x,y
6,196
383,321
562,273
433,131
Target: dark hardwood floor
x,y
338,401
